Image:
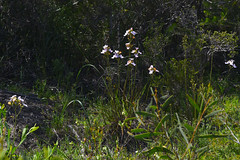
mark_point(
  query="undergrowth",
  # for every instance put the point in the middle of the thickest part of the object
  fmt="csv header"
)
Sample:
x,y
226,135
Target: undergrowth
x,y
174,114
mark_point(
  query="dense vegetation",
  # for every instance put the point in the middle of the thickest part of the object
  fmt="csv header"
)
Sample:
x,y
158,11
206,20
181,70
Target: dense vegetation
x,y
128,79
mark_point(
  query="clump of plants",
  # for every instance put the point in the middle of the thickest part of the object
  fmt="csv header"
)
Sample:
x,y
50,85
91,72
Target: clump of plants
x,y
8,146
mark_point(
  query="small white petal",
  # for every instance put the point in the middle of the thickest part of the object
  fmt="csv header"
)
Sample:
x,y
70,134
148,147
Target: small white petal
x,y
151,72
134,33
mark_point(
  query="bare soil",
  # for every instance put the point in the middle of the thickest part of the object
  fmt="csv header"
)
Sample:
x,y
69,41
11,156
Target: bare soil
x,y
36,112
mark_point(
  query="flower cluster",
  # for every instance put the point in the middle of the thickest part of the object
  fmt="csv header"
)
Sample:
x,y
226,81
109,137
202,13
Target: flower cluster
x,y
130,33
14,100
136,52
118,54
106,50
231,63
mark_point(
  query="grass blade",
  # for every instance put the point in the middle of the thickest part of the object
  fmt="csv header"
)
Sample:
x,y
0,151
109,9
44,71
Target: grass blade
x,y
147,135
161,122
166,103
193,103
158,149
213,136
189,128
143,113
213,113
180,129
87,65
138,130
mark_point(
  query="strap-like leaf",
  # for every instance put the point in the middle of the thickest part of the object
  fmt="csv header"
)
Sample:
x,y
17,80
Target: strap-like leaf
x,y
166,103
189,128
138,130
180,129
193,103
161,122
183,134
129,119
202,149
143,113
158,149
213,113
147,135
213,136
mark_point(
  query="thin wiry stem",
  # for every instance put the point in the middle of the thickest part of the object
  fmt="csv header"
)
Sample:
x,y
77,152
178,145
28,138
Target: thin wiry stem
x,y
195,130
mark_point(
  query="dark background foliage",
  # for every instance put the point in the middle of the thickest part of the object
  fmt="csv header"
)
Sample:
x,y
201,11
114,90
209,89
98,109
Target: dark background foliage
x,y
53,39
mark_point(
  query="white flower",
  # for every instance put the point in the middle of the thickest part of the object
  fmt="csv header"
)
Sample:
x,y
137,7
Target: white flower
x,y
128,45
231,63
136,52
16,100
21,101
130,61
130,32
152,69
117,54
106,50
13,98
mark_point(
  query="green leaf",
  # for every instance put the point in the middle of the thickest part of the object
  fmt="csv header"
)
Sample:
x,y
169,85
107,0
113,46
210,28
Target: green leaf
x,y
158,149
129,119
24,133
139,120
183,134
153,107
3,154
213,136
213,113
161,122
166,103
189,128
34,128
180,129
147,135
213,103
202,149
143,113
193,103
138,130
87,65
165,157
172,27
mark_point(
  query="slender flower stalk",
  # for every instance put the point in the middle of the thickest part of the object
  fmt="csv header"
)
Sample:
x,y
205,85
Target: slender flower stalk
x,y
16,101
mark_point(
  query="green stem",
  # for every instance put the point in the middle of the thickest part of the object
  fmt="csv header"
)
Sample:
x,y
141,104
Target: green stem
x,y
211,68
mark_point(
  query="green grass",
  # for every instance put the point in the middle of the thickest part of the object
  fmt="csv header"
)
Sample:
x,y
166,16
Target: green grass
x,y
97,137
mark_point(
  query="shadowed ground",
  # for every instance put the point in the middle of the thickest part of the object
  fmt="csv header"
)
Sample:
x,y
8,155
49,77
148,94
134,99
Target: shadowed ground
x,y
35,113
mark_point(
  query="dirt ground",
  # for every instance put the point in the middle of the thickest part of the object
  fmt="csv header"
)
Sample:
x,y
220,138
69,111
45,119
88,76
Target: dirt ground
x,y
36,112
